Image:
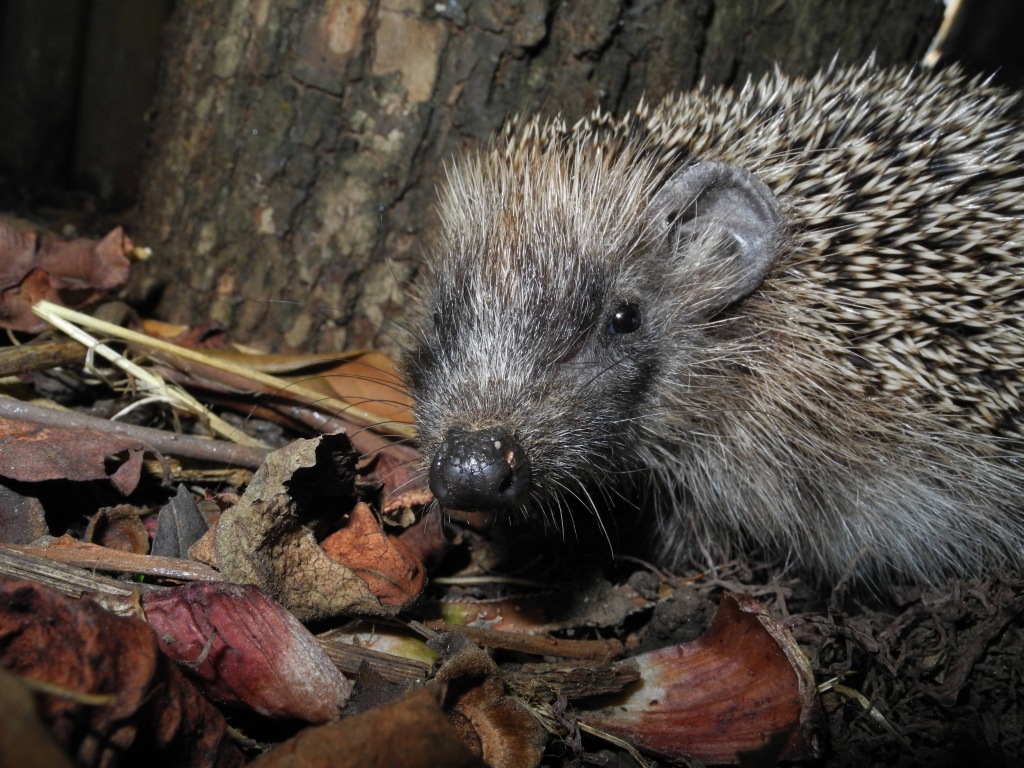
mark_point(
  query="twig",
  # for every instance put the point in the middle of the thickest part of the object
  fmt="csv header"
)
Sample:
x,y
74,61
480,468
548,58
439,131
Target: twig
x,y
540,645
85,555
159,440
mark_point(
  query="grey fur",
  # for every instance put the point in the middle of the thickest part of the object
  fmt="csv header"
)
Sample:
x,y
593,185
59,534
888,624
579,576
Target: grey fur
x,y
858,407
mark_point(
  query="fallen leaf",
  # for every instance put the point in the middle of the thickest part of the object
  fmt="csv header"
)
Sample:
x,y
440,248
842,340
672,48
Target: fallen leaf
x,y
492,723
391,570
371,381
87,266
179,525
426,538
118,528
22,517
243,647
156,718
270,537
73,273
742,687
32,453
411,733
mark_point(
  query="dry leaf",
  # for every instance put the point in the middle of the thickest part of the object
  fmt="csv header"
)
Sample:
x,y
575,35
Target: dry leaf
x,y
72,274
492,723
371,381
22,517
270,537
33,453
156,717
742,687
426,538
118,528
179,525
244,647
392,571
411,733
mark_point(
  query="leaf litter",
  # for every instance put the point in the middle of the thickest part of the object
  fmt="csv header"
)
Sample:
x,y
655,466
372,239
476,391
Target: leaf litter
x,y
270,572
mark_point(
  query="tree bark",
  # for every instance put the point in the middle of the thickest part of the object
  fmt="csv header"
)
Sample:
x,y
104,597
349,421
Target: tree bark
x,y
291,184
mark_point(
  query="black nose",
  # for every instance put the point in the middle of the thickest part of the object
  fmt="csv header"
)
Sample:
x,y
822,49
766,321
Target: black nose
x,y
480,470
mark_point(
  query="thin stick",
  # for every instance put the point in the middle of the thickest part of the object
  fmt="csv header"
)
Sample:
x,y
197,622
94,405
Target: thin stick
x,y
163,442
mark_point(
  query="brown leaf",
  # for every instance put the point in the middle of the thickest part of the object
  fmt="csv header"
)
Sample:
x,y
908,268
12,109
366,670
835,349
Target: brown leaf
x,y
17,254
426,538
392,572
33,453
157,718
371,381
16,302
411,733
83,269
269,537
744,686
22,518
492,723
118,528
73,274
244,647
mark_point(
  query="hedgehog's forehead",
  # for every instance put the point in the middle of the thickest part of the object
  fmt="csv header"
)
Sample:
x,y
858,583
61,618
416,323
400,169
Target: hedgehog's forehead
x,y
557,211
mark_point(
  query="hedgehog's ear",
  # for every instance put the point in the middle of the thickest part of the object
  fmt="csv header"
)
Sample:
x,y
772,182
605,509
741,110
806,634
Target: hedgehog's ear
x,y
708,201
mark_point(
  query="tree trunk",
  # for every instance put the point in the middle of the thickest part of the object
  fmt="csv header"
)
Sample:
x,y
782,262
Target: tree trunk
x,y
298,145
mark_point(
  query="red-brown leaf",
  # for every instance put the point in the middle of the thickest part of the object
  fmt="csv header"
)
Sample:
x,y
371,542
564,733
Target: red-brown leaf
x,y
743,686
156,718
74,273
33,453
411,733
244,647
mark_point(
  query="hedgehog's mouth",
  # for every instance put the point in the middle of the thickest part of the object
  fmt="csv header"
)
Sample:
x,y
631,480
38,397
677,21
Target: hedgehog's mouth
x,y
477,519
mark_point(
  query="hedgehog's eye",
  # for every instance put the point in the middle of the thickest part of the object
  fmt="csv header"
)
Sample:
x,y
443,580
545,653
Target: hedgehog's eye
x,y
625,319
437,319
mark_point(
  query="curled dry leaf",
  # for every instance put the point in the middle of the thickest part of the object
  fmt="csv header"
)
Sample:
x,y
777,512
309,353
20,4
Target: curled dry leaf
x,y
742,687
119,527
156,717
413,732
492,723
244,647
72,274
270,537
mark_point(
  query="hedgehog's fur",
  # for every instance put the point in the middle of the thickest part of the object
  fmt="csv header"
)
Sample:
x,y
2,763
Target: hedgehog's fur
x,y
861,409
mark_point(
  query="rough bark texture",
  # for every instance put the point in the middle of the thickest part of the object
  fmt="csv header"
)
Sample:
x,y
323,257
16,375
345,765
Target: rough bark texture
x,y
298,145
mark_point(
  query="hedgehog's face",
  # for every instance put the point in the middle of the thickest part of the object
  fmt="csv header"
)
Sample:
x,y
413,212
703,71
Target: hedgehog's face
x,y
550,319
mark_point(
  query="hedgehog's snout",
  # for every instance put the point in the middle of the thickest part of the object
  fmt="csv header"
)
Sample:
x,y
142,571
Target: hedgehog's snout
x,y
480,470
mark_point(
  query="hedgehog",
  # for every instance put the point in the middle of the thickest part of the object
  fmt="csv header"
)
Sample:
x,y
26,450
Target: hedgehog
x,y
785,319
